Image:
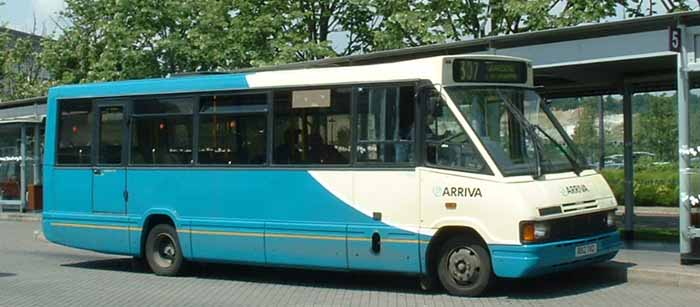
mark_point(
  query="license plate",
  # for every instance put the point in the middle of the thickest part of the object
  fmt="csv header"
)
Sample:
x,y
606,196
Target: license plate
x,y
585,250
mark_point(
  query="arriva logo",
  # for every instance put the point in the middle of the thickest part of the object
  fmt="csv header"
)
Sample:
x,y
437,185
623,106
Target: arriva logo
x,y
439,191
574,189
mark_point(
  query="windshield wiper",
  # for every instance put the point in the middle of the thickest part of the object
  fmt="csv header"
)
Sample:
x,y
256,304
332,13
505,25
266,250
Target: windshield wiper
x,y
531,131
572,160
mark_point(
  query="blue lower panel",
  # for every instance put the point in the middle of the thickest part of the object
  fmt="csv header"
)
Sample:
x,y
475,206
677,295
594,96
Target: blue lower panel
x,y
239,241
398,250
312,245
98,236
537,259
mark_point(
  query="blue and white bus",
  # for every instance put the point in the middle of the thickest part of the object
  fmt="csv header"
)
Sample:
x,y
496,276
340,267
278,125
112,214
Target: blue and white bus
x,y
449,168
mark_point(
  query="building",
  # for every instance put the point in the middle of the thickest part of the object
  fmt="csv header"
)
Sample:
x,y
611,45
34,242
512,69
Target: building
x,y
30,64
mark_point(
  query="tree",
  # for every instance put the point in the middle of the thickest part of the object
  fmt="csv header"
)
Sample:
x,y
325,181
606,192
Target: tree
x,y
656,128
585,132
635,8
126,39
21,73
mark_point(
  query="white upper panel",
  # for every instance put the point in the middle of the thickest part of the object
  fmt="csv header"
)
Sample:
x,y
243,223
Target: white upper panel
x,y
421,69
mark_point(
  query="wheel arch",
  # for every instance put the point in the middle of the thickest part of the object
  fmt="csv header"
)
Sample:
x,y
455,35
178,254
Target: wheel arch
x,y
443,234
150,221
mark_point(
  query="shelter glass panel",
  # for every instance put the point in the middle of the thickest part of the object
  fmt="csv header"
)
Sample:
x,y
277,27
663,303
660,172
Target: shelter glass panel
x,y
655,155
10,159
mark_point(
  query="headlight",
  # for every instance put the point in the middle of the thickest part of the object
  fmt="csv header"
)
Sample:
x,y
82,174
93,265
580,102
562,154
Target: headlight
x,y
610,219
531,232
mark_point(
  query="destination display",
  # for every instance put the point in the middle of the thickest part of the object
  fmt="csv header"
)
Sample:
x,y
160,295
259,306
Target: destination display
x,y
489,71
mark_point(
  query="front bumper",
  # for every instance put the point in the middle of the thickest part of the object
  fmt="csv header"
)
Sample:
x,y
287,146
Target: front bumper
x,y
514,261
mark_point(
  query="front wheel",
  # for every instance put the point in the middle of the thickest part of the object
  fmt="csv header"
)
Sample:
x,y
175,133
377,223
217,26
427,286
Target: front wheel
x,y
464,268
163,251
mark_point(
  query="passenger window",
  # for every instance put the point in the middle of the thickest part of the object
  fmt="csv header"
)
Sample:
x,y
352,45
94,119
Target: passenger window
x,y
233,129
74,132
312,126
446,142
111,134
161,131
240,103
178,105
385,124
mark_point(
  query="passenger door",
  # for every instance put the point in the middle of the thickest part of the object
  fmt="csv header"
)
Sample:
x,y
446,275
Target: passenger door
x,y
109,173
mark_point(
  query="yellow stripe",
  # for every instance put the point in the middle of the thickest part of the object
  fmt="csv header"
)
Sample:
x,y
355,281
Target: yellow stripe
x,y
383,240
222,233
240,234
291,236
93,226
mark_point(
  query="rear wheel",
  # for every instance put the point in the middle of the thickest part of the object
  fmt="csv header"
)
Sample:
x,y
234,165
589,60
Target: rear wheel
x,y
464,267
163,251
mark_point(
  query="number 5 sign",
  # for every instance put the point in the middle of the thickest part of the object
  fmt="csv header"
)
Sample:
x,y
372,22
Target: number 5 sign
x,y
674,39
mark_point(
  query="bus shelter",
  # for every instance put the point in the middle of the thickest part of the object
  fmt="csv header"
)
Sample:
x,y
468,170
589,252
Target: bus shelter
x,y
21,148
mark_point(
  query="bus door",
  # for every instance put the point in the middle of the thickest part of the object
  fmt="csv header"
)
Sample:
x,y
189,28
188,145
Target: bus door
x,y
109,173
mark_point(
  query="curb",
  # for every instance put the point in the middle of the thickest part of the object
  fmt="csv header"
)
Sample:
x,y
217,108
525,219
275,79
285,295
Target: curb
x,y
632,273
659,277
20,217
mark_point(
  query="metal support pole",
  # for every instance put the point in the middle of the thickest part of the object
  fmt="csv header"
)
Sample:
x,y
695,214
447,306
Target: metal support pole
x,y
683,145
601,133
628,232
37,156
23,169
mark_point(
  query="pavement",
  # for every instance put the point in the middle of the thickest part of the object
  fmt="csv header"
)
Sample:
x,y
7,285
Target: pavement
x,y
642,262
20,217
650,211
36,273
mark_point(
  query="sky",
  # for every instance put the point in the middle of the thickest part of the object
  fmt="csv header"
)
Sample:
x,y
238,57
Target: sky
x,y
19,14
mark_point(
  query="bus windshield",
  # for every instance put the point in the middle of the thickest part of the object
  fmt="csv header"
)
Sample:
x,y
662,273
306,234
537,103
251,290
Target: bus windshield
x,y
518,130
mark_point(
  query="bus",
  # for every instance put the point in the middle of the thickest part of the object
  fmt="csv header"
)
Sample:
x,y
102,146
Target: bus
x,y
450,168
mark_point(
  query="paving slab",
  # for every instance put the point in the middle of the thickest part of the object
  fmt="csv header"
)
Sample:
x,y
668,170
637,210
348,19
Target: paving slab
x,y
20,217
652,263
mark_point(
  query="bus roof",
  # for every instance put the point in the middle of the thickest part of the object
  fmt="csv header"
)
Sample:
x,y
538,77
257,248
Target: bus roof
x,y
419,69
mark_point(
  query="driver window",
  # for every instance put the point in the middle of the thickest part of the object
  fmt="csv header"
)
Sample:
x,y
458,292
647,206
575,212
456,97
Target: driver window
x,y
447,144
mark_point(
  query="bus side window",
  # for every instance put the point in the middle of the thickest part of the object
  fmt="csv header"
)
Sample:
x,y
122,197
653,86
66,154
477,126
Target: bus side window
x,y
233,129
386,124
75,132
446,143
312,126
161,131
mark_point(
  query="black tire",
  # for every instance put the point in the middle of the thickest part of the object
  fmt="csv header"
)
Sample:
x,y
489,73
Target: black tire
x,y
428,283
163,252
464,267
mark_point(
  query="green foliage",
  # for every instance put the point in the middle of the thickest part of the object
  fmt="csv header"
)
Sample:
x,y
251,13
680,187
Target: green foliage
x,y
656,126
586,132
20,69
654,185
127,39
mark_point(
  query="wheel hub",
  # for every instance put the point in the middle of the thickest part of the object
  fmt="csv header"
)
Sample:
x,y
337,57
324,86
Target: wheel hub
x,y
464,265
165,251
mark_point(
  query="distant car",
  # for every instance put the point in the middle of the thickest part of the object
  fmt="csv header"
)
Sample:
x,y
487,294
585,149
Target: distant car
x,y
618,160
